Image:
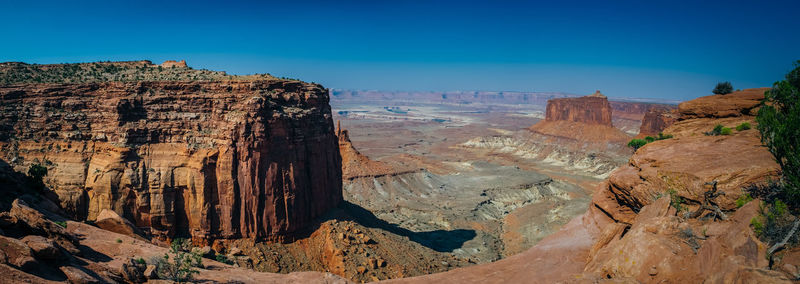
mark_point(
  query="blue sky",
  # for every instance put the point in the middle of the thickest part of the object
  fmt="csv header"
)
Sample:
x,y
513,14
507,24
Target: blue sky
x,y
651,49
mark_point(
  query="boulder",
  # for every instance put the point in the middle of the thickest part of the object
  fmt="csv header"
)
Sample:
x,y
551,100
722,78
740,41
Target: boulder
x,y
78,276
150,272
43,248
111,221
18,254
133,271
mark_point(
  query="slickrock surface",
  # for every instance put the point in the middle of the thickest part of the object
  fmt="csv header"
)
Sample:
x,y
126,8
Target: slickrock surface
x,y
248,157
632,234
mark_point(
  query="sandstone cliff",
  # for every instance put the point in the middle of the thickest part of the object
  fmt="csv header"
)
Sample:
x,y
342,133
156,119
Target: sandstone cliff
x,y
591,109
656,120
250,157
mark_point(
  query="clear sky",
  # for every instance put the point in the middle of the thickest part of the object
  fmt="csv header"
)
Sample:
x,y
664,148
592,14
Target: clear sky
x,y
656,49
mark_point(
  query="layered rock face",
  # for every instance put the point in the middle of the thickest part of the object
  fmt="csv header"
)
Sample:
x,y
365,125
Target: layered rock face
x,y
656,120
591,109
586,118
230,159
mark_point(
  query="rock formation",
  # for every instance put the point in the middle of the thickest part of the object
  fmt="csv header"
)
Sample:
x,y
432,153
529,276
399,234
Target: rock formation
x,y
591,109
249,157
633,117
632,233
173,64
585,119
356,165
656,120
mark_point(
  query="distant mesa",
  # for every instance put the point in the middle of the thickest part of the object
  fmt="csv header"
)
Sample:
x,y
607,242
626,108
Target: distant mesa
x,y
173,64
585,119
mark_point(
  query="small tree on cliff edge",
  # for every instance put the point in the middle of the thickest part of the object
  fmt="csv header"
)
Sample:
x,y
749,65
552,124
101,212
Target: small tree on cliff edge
x,y
779,124
723,88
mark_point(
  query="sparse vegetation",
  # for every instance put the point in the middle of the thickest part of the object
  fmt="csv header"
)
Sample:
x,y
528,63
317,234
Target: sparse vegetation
x,y
119,241
723,88
63,224
638,143
719,130
676,201
181,266
743,199
742,127
222,258
779,123
131,71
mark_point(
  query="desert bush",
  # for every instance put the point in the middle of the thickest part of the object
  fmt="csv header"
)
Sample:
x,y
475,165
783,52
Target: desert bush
x,y
650,139
719,130
222,258
676,201
779,124
743,199
636,144
723,88
181,266
662,136
63,224
36,173
742,127
774,222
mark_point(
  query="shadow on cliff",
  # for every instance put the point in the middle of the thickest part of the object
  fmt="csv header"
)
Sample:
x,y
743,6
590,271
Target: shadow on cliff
x,y
438,240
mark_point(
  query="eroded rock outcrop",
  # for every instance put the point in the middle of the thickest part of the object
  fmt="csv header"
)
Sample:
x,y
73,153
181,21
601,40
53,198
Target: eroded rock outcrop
x,y
250,157
656,120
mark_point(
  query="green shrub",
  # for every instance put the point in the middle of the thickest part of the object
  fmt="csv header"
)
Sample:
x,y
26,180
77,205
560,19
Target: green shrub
x,y
743,199
662,136
779,124
723,88
182,264
742,127
758,227
676,201
636,144
141,261
222,258
719,130
119,241
63,224
650,139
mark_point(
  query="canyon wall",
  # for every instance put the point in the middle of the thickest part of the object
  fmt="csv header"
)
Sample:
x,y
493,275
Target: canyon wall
x,y
208,159
656,120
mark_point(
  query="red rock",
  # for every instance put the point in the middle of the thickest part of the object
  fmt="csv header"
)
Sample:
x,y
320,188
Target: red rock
x,y
591,109
111,221
585,119
656,120
226,159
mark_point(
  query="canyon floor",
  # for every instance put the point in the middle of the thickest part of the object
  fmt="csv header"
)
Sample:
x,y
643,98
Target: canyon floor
x,y
474,204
